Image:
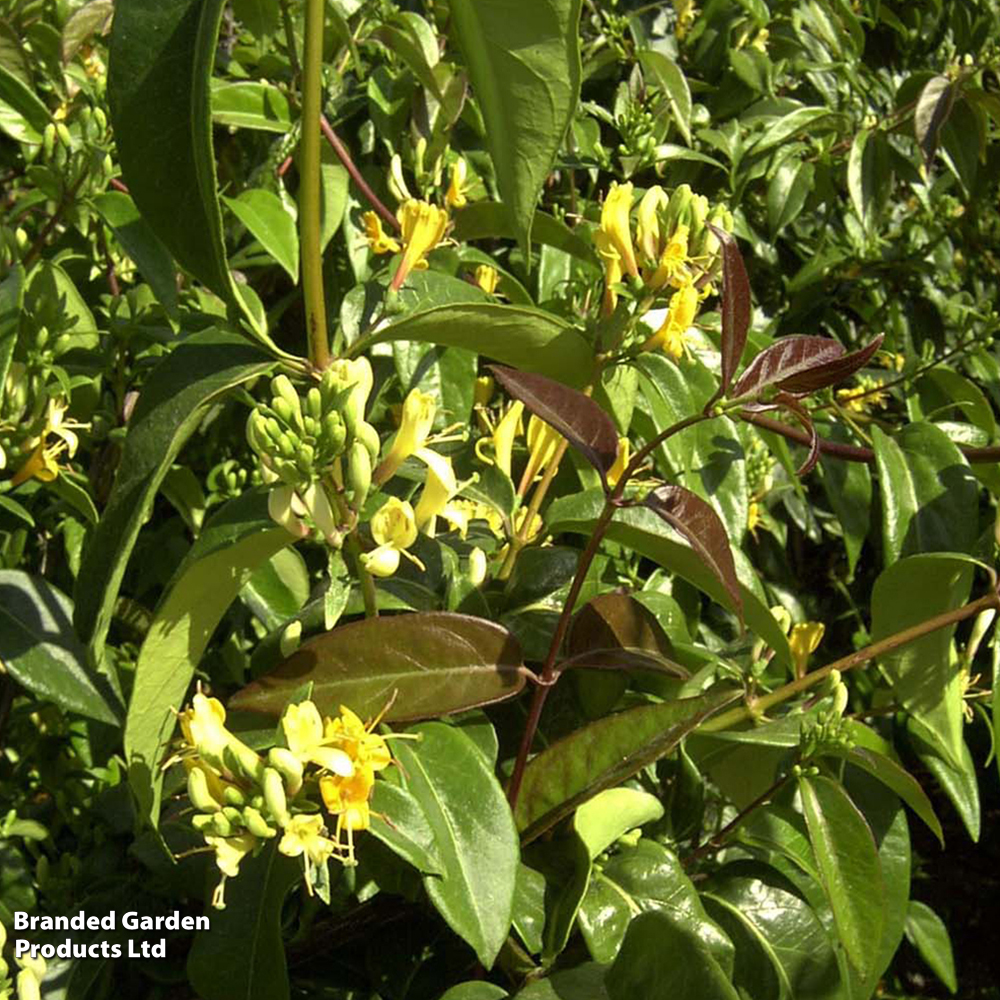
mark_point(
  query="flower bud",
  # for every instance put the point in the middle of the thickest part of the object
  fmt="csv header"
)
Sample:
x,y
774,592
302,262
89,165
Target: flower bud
x,y
27,986
333,434
233,796
291,638
256,824
221,825
274,795
197,785
477,567
359,473
314,403
368,436
283,390
288,766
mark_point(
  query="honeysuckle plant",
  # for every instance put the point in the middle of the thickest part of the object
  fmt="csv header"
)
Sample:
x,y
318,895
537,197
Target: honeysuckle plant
x,y
499,499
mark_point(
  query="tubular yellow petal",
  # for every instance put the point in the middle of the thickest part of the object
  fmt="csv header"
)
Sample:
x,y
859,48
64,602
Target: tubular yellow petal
x,y
423,228
379,241
647,230
616,222
419,409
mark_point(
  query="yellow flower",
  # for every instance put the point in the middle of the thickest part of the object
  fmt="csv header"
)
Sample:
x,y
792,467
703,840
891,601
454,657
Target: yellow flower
x,y
616,224
612,269
203,725
483,391
379,241
686,14
543,441
42,463
359,741
455,198
230,851
503,439
680,315
672,265
435,498
348,800
621,461
419,409
487,278
760,40
753,517
869,393
802,642
394,529
423,227
647,230
303,838
303,730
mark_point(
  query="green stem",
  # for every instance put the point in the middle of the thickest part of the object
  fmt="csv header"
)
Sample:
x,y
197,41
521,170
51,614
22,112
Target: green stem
x,y
309,186
366,579
760,705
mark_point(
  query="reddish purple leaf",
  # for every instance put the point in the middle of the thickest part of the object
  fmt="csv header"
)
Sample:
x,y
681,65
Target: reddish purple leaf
x,y
432,662
616,632
802,364
735,305
692,517
576,416
785,401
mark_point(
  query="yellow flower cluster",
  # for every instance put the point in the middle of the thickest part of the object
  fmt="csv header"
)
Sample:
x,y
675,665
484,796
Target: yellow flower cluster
x,y
867,394
672,251
422,227
243,799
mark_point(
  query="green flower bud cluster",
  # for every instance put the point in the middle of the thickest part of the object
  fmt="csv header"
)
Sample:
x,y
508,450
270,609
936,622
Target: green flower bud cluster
x,y
22,415
686,208
759,465
226,480
298,439
830,732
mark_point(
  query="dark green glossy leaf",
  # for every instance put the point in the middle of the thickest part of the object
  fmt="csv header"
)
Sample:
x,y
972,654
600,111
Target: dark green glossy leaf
x,y
16,92
475,990
662,957
524,63
585,982
400,823
849,868
242,957
644,878
930,499
527,339
433,663
11,303
603,754
40,650
161,60
478,848
528,916
922,673
926,931
171,405
140,242
490,220
237,540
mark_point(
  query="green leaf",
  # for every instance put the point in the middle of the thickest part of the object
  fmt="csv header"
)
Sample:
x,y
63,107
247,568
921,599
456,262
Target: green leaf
x,y
958,780
646,877
250,104
161,58
478,848
799,120
55,303
603,754
11,304
926,931
447,373
40,650
528,339
242,956
802,953
848,487
643,532
923,674
262,212
611,813
930,499
967,396
849,868
869,176
524,63
584,982
787,193
433,663
237,540
490,220
662,956
22,98
278,589
173,400
670,77
400,823
476,989
141,244
528,915
890,774
933,109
